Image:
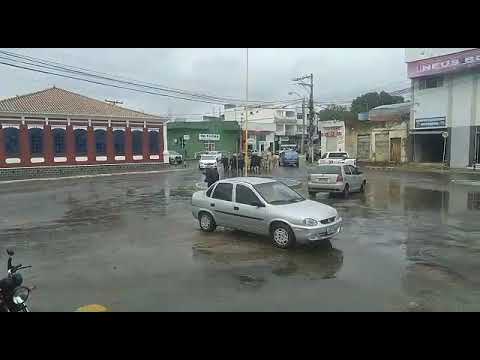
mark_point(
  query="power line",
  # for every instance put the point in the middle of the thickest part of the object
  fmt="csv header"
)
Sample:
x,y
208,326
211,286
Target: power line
x,y
51,65
105,84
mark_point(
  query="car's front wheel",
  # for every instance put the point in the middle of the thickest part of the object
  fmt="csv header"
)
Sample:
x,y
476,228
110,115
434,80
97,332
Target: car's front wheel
x,y
346,191
206,221
282,236
362,188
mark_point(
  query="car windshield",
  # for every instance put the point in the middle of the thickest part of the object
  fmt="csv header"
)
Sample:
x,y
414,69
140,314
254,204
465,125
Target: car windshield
x,y
208,157
291,155
337,170
276,193
338,155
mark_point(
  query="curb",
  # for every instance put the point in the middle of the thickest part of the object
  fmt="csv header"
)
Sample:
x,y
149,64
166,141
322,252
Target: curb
x,y
91,176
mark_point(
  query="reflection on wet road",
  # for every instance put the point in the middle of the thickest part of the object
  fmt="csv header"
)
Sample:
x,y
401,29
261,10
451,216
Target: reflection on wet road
x,y
131,244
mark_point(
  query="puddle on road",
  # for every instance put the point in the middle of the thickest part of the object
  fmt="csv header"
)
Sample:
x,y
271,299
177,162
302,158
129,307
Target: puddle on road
x,y
248,256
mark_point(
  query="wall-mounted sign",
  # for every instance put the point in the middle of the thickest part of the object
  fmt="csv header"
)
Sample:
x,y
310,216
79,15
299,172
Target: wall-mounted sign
x,y
332,132
427,123
186,137
284,138
445,63
209,137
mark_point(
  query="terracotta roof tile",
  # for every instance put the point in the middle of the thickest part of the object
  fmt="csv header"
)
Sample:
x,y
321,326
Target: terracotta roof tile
x,y
62,102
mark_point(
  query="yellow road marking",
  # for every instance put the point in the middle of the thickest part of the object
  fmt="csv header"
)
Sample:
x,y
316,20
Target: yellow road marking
x,y
92,308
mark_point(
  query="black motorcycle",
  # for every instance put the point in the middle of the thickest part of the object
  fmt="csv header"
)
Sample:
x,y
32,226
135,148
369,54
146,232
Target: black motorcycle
x,y
13,296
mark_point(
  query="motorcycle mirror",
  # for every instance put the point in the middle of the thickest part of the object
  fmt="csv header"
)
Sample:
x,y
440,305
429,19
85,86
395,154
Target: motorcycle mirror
x,y
10,252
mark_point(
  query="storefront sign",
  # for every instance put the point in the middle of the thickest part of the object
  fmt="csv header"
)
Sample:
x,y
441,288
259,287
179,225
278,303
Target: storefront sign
x,y
285,138
332,132
209,137
444,64
186,137
427,123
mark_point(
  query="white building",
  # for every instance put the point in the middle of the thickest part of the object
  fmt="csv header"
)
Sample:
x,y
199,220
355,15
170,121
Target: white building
x,y
445,117
332,135
267,128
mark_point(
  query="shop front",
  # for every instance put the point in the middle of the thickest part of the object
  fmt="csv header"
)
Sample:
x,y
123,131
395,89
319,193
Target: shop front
x,y
429,140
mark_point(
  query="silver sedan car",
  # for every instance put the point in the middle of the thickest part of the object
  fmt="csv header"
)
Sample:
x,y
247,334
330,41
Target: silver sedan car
x,y
336,178
267,207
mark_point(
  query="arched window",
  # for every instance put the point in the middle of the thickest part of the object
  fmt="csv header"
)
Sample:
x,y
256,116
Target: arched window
x,y
153,142
80,142
12,141
100,142
59,141
119,142
137,142
36,141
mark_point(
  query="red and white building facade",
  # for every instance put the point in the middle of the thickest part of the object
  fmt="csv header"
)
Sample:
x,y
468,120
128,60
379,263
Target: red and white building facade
x,y
56,127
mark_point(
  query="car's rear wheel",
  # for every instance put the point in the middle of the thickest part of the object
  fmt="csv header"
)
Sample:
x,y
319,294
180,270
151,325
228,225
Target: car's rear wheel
x,y
282,236
206,222
346,191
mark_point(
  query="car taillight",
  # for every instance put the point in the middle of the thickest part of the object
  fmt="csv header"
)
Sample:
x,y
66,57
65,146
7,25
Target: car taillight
x,y
339,178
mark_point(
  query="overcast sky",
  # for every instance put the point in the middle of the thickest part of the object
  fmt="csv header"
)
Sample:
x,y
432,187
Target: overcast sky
x,y
338,73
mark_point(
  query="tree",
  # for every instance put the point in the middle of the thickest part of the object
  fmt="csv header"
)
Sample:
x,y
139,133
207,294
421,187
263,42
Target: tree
x,y
335,112
371,100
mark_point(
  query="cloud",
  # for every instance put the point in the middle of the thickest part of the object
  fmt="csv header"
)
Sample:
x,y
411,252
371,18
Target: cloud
x,y
338,73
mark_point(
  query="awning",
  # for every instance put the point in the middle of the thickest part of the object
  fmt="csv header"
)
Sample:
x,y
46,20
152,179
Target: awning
x,y
428,132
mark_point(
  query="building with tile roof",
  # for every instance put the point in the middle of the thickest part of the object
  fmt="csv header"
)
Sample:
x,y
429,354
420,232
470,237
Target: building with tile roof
x,y
59,127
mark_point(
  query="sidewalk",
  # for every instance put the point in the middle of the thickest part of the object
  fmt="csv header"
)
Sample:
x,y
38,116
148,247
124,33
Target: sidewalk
x,y
420,168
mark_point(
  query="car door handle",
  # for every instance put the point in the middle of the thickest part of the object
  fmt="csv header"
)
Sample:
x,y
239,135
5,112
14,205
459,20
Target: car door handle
x,y
212,204
236,208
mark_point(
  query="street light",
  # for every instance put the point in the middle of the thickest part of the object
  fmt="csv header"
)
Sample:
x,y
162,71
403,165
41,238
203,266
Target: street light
x,y
303,118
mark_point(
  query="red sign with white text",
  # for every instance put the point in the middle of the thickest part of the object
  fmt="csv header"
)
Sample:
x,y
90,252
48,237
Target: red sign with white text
x,y
444,64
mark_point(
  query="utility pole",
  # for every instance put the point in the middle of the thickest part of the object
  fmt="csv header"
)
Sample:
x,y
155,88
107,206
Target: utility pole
x,y
312,115
311,111
303,126
246,124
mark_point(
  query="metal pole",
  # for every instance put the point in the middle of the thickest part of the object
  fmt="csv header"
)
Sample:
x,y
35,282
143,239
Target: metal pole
x,y
303,126
246,123
311,118
444,149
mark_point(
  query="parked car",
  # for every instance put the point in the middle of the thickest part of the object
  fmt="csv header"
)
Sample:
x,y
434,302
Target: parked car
x,y
340,178
207,161
199,154
267,207
336,157
289,158
218,154
287,147
175,158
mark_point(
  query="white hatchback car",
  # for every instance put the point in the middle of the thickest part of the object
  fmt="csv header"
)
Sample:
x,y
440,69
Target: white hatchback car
x,y
336,178
207,161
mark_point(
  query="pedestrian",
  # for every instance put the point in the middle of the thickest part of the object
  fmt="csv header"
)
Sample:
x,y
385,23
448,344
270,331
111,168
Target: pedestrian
x,y
224,162
241,164
211,176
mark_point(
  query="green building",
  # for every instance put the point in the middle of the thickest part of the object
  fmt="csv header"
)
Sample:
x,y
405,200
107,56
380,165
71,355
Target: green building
x,y
198,136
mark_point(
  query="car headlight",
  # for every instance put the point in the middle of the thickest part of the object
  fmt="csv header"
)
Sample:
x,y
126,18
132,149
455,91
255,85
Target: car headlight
x,y
310,222
20,295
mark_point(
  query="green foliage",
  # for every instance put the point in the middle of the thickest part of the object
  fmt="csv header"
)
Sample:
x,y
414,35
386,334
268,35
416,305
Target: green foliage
x,y
335,112
371,100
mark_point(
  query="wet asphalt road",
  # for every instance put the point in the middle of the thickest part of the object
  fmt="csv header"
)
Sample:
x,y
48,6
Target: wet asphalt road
x,y
130,243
